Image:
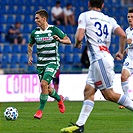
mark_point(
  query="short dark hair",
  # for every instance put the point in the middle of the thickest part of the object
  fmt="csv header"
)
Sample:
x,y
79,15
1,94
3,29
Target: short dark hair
x,y
130,11
42,13
96,3
58,2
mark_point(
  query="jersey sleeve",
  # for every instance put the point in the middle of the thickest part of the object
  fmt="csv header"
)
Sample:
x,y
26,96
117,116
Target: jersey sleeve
x,y
81,21
32,39
59,32
114,24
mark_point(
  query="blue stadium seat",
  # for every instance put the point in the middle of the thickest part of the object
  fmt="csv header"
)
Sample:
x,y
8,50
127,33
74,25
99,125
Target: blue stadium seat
x,y
23,66
34,49
1,49
32,69
15,49
68,58
26,28
28,20
7,49
76,50
24,58
11,9
34,58
76,58
61,48
69,29
4,65
68,49
61,58
3,10
19,18
14,58
26,37
20,9
10,19
14,66
24,49
5,58
3,19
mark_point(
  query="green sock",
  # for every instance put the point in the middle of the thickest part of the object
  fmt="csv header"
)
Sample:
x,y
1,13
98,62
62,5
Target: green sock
x,y
43,100
55,95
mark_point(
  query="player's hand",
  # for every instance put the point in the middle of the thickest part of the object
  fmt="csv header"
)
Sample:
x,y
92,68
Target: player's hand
x,y
119,56
30,60
56,38
78,45
129,41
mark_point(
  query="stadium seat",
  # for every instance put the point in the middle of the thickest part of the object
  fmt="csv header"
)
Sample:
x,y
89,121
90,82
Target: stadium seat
x,y
10,19
23,66
4,65
61,58
1,49
76,58
61,48
14,58
24,49
20,9
26,28
15,49
3,19
7,49
68,58
28,20
24,58
34,58
32,69
68,49
26,37
5,58
34,49
19,18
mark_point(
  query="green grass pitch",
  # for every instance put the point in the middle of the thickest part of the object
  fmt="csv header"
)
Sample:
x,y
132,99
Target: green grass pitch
x,y
106,117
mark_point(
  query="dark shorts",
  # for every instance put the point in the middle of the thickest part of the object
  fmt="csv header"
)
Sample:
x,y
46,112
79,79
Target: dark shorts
x,y
56,81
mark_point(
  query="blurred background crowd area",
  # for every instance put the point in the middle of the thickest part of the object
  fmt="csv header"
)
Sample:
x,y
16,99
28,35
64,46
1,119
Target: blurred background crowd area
x,y
13,57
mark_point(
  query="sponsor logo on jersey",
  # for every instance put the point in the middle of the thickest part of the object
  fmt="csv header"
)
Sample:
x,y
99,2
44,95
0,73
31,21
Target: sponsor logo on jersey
x,y
41,39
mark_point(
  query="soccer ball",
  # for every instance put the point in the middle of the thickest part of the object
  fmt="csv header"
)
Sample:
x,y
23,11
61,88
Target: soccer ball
x,y
11,113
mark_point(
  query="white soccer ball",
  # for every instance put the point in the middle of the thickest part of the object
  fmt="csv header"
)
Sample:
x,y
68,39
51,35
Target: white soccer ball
x,y
11,113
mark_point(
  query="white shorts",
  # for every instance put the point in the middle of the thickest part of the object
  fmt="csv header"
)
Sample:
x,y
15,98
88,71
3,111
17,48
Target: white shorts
x,y
101,74
128,65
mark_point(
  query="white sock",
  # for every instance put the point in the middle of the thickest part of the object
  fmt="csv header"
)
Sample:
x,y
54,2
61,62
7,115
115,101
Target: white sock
x,y
85,112
126,101
125,88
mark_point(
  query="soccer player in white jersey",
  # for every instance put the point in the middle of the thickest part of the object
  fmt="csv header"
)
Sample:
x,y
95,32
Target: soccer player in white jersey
x,y
127,68
47,38
97,28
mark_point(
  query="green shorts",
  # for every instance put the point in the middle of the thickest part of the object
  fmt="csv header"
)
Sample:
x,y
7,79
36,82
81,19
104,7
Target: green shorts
x,y
48,72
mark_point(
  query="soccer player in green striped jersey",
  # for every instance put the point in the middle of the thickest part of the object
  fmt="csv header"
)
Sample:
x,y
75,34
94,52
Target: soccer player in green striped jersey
x,y
47,38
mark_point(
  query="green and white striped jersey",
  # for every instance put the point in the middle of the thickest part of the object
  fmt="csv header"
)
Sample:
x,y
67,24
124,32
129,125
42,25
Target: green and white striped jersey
x,y
47,46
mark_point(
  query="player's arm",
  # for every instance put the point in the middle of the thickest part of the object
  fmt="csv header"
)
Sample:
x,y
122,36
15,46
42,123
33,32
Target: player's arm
x,y
79,37
80,30
64,40
130,43
122,41
30,49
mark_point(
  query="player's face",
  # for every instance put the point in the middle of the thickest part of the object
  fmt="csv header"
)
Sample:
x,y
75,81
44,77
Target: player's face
x,y
39,20
130,19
